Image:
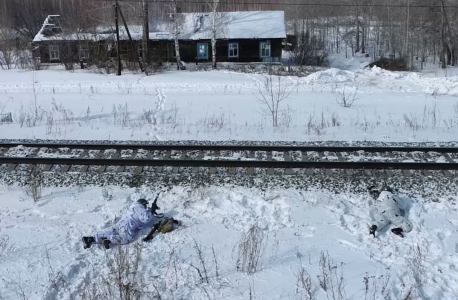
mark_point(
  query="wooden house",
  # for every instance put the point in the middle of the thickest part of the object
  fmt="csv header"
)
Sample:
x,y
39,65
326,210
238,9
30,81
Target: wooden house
x,y
248,36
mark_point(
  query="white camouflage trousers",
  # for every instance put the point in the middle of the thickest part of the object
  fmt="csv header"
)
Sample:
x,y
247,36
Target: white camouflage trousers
x,y
120,234
392,216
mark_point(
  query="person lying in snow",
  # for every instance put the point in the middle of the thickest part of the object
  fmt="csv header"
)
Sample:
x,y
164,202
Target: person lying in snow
x,y
132,222
387,212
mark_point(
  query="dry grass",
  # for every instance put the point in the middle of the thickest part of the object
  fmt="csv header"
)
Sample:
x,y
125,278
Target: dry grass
x,y
122,279
5,246
304,285
251,250
331,278
346,98
34,187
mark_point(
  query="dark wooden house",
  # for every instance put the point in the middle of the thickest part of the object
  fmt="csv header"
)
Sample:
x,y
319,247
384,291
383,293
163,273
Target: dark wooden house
x,y
248,36
244,36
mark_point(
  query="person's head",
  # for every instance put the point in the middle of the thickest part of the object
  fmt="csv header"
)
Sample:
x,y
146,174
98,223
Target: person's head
x,y
373,192
143,202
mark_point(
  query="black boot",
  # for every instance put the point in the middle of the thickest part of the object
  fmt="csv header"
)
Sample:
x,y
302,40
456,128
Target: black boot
x,y
372,230
88,241
397,231
106,243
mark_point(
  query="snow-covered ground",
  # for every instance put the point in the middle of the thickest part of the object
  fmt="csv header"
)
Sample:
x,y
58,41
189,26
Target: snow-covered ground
x,y
41,255
45,260
221,105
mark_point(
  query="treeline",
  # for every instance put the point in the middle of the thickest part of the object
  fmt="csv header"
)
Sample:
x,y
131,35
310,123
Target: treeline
x,y
409,29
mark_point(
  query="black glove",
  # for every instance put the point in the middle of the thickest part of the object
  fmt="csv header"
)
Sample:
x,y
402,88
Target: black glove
x,y
372,230
397,231
147,239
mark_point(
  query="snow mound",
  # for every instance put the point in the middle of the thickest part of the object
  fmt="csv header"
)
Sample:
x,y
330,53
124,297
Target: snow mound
x,y
385,73
332,75
239,209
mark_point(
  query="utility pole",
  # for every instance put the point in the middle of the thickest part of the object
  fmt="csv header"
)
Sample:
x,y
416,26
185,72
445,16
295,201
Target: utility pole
x,y
132,42
118,54
407,37
145,50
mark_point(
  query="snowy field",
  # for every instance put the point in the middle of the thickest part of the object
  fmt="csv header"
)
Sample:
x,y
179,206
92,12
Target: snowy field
x,y
314,244
44,258
221,105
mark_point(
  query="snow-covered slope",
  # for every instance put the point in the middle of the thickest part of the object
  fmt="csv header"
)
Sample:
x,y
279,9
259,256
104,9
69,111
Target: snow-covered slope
x,y
44,258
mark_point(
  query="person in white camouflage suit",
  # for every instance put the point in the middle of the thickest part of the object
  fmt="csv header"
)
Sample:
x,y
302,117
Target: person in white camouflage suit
x,y
133,221
387,212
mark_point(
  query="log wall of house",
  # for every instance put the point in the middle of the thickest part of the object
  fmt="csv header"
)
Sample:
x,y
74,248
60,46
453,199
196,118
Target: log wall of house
x,y
69,51
160,51
249,50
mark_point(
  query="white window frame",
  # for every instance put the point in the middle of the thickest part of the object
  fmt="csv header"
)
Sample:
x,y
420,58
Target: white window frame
x,y
199,55
267,47
232,49
54,53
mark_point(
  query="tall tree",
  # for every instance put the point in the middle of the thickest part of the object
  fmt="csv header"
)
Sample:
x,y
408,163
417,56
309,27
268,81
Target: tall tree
x,y
216,27
177,26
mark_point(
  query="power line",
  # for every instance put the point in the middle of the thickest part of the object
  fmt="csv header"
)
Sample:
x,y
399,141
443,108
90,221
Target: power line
x,y
293,4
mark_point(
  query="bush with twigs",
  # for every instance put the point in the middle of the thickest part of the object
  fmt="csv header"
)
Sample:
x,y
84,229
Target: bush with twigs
x,y
251,250
331,278
122,279
34,184
272,92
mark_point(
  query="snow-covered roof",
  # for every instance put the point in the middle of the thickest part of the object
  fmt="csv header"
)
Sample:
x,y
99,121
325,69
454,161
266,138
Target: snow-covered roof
x,y
235,25
193,26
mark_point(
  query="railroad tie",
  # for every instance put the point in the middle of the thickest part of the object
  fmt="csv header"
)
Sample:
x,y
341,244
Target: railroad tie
x,y
200,156
270,171
11,167
101,168
287,157
64,168
340,158
451,161
446,173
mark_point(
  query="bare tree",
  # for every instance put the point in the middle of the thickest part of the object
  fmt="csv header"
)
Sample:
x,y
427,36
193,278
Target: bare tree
x,y
177,27
273,91
6,48
215,27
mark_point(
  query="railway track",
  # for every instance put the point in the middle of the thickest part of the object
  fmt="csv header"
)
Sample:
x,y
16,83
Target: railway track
x,y
229,159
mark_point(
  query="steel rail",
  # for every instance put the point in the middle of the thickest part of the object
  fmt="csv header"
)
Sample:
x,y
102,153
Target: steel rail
x,y
180,147
231,163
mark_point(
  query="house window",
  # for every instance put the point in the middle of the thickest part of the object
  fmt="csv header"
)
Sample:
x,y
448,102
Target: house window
x,y
202,51
54,52
264,49
233,50
84,52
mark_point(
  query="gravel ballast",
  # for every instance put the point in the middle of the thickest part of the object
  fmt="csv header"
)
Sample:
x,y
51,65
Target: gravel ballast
x,y
434,186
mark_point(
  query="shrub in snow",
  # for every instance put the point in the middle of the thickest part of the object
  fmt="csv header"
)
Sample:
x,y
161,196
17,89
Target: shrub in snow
x,y
251,250
331,278
272,91
346,98
5,245
121,279
34,185
107,194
